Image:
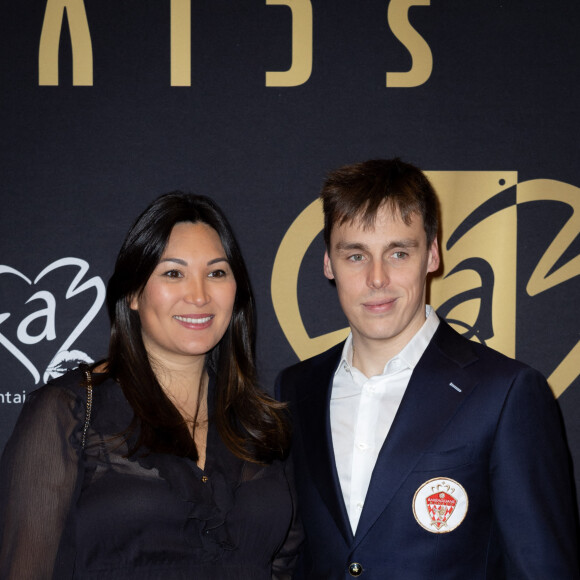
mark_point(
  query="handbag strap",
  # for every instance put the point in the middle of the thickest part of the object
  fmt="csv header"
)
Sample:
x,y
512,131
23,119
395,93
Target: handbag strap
x,y
89,385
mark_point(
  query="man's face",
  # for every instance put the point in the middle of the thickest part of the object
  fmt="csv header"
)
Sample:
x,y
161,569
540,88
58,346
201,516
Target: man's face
x,y
380,276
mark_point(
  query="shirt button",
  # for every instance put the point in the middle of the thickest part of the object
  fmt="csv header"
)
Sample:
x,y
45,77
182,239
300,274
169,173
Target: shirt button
x,y
355,569
359,506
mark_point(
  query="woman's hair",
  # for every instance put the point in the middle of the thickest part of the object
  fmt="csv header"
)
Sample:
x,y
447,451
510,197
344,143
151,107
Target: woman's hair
x,y
251,424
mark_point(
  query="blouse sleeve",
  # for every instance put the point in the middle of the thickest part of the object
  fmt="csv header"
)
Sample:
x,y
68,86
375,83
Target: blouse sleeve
x,y
286,558
39,481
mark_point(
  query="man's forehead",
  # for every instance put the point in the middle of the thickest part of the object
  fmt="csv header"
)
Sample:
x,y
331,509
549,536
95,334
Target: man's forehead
x,y
385,222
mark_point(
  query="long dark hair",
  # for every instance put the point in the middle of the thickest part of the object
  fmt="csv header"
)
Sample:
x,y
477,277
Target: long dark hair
x,y
251,424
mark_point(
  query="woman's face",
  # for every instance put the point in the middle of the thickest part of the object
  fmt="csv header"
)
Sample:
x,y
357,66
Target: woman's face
x,y
187,303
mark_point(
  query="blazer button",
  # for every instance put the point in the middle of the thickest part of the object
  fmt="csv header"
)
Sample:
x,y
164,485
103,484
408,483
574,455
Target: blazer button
x,y
355,569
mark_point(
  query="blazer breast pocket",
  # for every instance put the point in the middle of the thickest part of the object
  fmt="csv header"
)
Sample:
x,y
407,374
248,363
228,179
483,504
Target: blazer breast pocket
x,y
445,459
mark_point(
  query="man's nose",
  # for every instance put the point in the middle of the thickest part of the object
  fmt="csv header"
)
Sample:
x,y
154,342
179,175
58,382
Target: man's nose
x,y
378,275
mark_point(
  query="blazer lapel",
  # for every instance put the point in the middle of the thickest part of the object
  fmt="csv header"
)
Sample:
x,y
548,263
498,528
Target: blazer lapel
x,y
429,403
314,413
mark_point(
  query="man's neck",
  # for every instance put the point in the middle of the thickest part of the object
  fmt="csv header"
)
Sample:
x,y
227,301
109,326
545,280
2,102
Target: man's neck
x,y
370,357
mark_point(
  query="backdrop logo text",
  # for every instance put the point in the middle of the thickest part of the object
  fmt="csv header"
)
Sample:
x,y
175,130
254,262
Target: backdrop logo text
x,y
179,21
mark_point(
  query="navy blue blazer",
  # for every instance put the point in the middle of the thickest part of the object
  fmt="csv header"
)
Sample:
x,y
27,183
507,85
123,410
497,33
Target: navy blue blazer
x,y
469,416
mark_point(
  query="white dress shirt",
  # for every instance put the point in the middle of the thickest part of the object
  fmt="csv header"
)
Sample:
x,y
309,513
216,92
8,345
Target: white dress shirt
x,y
362,411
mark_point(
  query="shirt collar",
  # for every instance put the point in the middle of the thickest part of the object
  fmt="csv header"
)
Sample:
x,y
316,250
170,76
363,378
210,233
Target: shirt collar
x,y
410,354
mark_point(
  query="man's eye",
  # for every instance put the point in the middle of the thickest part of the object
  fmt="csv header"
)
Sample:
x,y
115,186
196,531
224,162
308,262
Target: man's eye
x,y
400,255
356,258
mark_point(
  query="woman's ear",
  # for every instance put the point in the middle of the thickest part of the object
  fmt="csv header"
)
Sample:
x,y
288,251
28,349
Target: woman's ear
x,y
133,301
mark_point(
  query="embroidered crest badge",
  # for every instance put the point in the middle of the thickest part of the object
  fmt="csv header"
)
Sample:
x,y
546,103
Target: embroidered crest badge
x,y
440,505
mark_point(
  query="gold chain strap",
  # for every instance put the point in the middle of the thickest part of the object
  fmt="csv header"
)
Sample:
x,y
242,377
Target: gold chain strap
x,y
89,381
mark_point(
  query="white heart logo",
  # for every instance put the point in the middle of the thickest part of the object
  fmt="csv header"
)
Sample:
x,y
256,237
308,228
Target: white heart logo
x,y
48,313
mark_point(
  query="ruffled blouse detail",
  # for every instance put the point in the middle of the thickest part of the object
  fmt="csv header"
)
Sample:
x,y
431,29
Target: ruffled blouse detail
x,y
209,500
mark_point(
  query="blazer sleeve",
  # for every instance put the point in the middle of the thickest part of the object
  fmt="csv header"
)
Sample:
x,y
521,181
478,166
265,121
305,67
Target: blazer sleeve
x,y
531,484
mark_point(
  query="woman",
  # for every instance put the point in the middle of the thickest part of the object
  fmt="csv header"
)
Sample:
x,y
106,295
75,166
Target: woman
x,y
164,461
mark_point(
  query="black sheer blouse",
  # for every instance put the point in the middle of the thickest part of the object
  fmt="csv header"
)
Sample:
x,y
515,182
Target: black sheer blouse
x,y
68,512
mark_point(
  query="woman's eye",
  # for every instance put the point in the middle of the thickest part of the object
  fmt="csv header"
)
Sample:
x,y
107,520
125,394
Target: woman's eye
x,y
217,274
173,274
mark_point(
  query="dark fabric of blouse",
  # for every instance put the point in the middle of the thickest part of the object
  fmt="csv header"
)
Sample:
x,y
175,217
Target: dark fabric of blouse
x,y
66,512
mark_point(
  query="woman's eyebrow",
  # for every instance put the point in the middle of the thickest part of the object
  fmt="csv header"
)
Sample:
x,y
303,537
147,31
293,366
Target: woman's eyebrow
x,y
176,260
183,262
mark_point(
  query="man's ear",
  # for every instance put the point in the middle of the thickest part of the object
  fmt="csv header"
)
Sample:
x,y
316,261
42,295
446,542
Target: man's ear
x,y
433,259
328,267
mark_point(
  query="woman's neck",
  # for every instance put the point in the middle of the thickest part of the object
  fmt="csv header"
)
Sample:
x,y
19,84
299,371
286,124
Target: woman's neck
x,y
184,384
186,387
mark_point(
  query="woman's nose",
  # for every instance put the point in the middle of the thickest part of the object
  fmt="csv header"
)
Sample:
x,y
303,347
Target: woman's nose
x,y
197,292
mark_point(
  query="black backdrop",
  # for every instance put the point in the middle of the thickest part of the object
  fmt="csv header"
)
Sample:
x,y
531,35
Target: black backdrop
x,y
91,137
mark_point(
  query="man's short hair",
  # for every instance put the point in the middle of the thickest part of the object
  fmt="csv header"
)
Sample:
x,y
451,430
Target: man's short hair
x,y
358,191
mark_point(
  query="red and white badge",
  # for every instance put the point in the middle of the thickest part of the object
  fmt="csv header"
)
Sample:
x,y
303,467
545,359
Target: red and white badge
x,y
440,505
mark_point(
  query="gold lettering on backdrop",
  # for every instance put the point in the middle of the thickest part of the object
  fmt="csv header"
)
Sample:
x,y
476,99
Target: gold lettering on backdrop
x,y
302,33
82,49
180,74
422,58
544,275
180,43
476,291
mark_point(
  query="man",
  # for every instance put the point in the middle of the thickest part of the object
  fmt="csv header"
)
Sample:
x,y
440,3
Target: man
x,y
418,453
